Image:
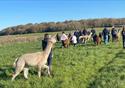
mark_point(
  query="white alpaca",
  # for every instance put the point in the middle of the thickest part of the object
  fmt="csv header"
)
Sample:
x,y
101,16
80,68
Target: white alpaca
x,y
118,35
38,59
85,38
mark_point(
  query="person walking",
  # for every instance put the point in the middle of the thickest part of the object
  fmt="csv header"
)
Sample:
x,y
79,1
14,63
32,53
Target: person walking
x,y
114,34
123,37
74,40
105,33
44,45
57,37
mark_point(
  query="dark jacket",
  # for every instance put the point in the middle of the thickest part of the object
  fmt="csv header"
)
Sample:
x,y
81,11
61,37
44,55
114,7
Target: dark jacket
x,y
93,32
114,31
80,33
84,32
123,35
105,32
44,45
58,37
76,34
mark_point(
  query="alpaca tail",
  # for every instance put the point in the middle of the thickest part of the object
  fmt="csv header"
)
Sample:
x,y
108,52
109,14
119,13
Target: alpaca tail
x,y
14,64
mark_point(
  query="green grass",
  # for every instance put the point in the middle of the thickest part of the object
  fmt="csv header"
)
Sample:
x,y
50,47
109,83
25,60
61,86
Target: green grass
x,y
84,66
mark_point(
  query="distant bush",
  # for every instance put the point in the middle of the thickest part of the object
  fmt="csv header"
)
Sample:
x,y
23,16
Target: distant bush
x,y
61,26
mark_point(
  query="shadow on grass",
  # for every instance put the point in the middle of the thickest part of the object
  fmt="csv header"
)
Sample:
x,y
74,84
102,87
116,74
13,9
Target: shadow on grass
x,y
7,71
120,55
109,68
1,85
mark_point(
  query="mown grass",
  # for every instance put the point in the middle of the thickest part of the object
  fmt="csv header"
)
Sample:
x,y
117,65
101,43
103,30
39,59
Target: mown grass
x,y
83,66
9,39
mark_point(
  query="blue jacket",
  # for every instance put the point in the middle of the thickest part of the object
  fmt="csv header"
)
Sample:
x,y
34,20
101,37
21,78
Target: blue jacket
x,y
105,32
114,31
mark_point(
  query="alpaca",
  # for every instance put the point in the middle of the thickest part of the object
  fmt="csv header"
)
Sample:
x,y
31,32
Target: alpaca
x,y
98,40
118,35
86,38
38,59
66,43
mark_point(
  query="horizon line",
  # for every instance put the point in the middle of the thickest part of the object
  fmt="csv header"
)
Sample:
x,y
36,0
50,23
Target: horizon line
x,y
62,21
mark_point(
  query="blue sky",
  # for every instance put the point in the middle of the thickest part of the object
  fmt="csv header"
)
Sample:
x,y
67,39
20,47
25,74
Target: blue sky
x,y
16,12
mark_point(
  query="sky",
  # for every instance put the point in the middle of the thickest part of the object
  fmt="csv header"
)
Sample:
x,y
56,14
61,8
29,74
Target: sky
x,y
18,12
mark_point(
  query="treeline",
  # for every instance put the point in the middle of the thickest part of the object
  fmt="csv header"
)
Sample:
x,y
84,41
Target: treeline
x,y
62,26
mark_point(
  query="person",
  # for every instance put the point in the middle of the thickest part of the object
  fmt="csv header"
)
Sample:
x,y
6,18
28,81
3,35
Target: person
x,y
76,33
74,40
93,31
114,34
63,38
123,37
105,34
44,45
80,33
108,35
94,38
57,37
94,35
84,31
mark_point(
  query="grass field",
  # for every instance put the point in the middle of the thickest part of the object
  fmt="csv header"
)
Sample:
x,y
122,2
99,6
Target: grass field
x,y
83,66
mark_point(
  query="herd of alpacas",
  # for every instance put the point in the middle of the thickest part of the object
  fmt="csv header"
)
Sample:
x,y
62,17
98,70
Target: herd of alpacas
x,y
39,59
97,39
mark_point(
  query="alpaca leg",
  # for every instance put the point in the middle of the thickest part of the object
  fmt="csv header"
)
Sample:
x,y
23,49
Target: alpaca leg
x,y
14,76
39,71
97,42
85,41
39,74
18,70
48,71
26,73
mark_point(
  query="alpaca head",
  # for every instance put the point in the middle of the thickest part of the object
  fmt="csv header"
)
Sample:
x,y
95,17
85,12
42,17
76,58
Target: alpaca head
x,y
53,39
90,33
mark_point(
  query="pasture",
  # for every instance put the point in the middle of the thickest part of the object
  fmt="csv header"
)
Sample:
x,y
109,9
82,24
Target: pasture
x,y
83,66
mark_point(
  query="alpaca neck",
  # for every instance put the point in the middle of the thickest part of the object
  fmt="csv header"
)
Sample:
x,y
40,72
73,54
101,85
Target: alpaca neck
x,y
89,35
119,32
48,49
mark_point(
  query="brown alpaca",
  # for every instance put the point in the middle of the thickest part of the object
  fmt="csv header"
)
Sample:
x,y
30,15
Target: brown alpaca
x,y
66,43
38,59
98,40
